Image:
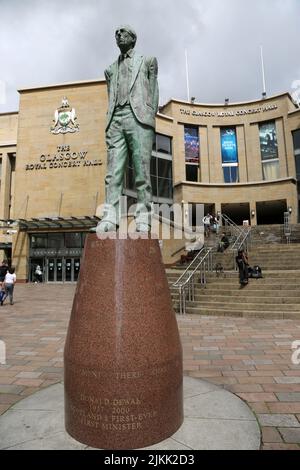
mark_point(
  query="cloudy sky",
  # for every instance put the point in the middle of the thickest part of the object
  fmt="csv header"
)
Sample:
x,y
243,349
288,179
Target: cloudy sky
x,y
53,41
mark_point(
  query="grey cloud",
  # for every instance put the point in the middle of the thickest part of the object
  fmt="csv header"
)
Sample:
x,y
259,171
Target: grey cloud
x,y
44,42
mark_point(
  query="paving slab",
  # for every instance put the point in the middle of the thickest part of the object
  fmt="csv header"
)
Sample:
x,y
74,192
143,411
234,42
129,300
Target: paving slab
x,y
215,419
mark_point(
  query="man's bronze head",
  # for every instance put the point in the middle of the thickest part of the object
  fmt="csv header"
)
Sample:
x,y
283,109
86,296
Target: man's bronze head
x,y
125,37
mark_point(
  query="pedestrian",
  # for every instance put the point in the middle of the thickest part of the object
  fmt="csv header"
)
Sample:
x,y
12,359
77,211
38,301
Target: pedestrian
x,y
9,283
242,263
38,274
223,243
207,222
3,270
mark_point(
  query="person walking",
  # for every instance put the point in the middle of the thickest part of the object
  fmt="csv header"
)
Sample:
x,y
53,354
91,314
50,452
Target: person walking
x,y
9,283
242,263
38,274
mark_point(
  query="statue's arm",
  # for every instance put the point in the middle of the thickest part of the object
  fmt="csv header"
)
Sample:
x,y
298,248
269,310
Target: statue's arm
x,y
107,75
153,83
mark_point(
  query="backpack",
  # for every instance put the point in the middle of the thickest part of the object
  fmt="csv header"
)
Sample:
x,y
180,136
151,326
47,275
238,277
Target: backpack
x,y
256,272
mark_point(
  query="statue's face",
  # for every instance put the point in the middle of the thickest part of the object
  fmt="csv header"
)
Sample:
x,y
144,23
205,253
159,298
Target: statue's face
x,y
124,39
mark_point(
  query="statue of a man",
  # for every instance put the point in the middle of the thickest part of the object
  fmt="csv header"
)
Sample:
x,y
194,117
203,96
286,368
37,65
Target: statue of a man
x,y
133,103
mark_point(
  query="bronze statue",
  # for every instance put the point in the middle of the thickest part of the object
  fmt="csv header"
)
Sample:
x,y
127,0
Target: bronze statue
x,y
133,103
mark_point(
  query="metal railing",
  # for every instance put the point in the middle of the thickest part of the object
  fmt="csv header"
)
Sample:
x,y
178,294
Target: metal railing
x,y
235,230
194,274
242,243
287,229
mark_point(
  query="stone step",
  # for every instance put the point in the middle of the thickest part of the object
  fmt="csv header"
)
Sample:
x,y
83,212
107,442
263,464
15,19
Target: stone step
x,y
245,306
243,293
211,288
267,275
271,282
267,314
204,297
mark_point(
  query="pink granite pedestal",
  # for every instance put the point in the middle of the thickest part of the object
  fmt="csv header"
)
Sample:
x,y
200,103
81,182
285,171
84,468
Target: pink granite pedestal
x,y
123,356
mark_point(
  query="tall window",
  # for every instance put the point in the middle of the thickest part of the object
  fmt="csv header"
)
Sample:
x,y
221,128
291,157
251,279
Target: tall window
x,y
296,139
192,152
269,150
230,163
160,170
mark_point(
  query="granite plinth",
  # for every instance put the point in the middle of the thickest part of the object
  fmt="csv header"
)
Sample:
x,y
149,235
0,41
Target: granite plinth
x,y
123,356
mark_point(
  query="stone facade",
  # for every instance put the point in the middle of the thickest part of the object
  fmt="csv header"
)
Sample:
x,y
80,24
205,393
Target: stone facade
x,y
47,175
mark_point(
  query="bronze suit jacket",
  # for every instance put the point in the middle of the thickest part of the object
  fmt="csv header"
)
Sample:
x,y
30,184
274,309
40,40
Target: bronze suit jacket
x,y
143,94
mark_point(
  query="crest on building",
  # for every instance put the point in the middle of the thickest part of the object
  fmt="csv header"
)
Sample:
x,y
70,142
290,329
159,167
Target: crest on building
x,y
64,119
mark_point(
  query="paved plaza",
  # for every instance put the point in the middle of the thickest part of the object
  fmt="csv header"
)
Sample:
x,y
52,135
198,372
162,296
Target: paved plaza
x,y
251,358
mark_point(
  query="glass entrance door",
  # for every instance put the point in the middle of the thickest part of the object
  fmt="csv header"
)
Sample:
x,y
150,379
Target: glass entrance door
x,y
72,268
76,268
37,270
68,270
62,269
59,270
55,270
51,270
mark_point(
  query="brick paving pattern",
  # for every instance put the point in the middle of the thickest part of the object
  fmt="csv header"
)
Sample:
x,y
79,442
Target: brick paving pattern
x,y
249,357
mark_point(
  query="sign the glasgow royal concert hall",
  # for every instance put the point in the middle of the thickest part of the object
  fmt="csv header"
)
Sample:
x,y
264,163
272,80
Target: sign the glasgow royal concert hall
x,y
229,113
65,121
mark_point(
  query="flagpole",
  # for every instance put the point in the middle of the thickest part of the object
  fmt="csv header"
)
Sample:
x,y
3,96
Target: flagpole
x,y
263,70
187,75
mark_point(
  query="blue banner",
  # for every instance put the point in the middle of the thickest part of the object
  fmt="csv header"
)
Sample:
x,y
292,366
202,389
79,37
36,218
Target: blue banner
x,y
229,145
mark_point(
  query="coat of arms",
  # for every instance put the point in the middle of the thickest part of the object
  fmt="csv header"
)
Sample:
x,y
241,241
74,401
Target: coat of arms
x,y
64,119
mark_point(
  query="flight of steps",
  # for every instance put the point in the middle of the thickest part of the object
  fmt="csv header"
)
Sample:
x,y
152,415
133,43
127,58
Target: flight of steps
x,y
277,295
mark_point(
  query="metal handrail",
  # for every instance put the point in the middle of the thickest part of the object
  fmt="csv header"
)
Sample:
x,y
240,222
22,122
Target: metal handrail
x,y
287,227
186,283
239,242
195,262
230,222
243,243
235,230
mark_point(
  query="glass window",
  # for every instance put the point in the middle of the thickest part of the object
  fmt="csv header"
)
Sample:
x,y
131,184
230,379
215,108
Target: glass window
x,y
153,166
191,144
191,173
56,240
39,240
231,173
164,168
73,240
163,144
271,170
268,141
164,188
84,235
12,162
154,185
296,139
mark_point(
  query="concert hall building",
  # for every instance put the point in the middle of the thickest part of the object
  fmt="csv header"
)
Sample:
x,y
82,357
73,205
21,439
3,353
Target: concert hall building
x,y
241,159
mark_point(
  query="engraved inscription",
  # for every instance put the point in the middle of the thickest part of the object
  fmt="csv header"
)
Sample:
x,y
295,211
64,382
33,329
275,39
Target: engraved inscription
x,y
118,414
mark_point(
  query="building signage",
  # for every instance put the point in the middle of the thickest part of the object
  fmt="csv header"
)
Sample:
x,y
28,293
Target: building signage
x,y
268,141
65,119
192,144
64,158
229,113
229,145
